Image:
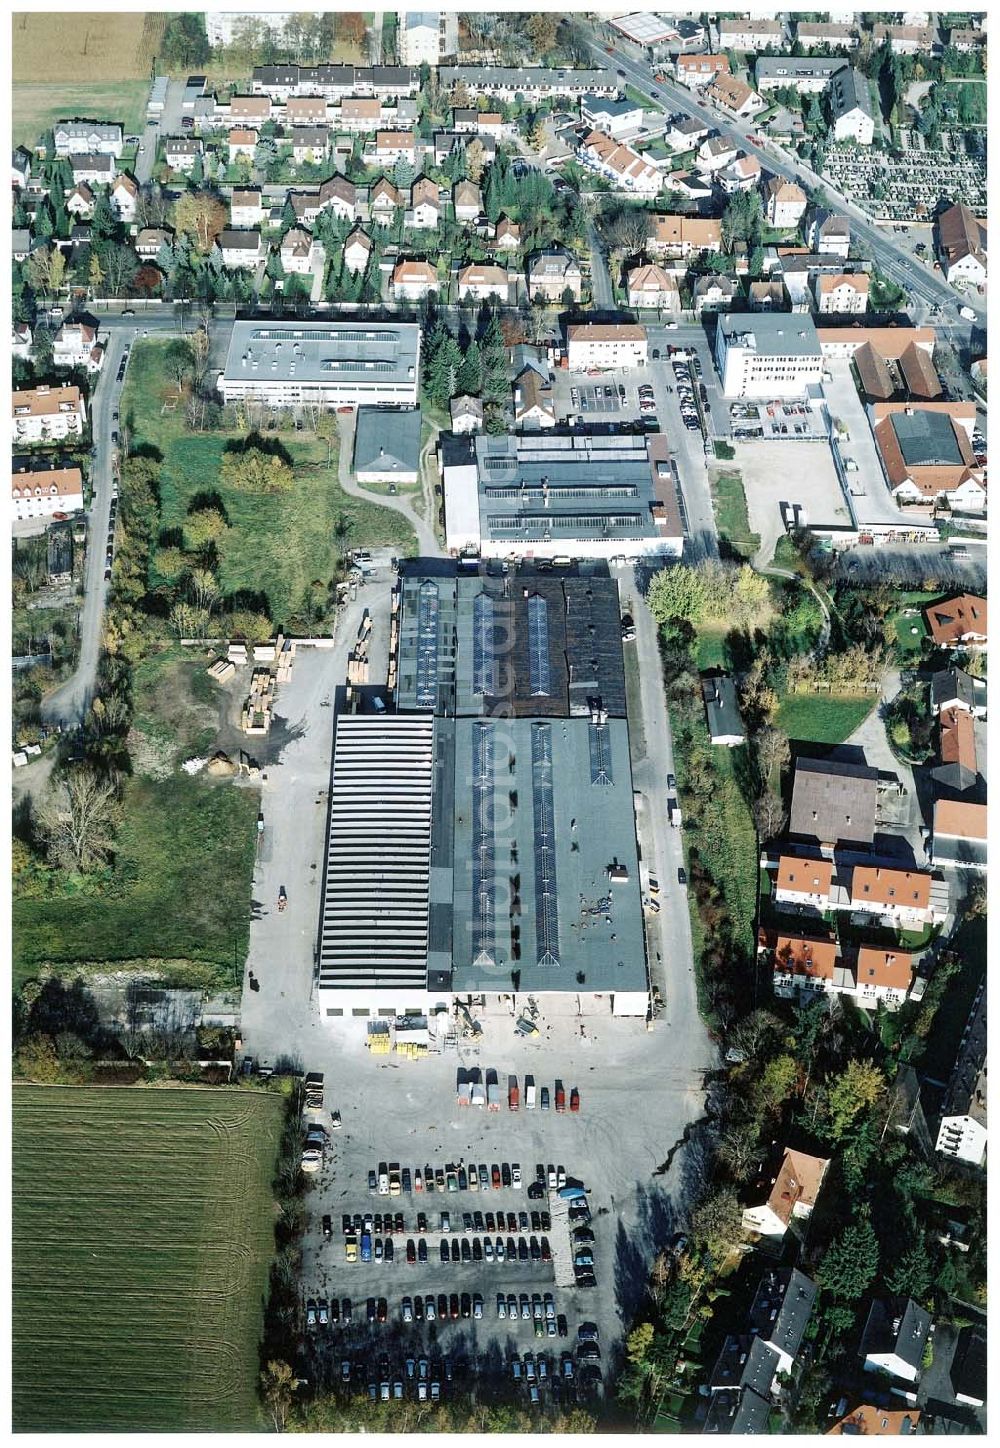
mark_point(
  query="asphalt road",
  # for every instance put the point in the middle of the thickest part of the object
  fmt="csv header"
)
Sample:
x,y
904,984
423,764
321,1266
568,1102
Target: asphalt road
x,y
882,247
68,704
168,124
600,277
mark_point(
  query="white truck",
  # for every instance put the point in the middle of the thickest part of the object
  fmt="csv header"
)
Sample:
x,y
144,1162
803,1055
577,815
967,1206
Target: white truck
x,y
529,1093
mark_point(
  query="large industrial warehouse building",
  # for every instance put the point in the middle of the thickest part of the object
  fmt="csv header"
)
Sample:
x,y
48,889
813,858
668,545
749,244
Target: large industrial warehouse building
x,y
482,842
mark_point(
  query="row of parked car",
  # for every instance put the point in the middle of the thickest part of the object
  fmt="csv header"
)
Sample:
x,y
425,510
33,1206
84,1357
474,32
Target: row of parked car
x,y
390,1224
451,1249
685,394
387,1180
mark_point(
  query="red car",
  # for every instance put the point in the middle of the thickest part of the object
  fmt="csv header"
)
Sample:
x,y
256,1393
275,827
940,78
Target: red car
x,y
574,1100
496,1177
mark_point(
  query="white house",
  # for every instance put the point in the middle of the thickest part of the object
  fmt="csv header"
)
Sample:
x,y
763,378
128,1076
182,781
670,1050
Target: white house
x,y
150,241
41,492
734,96
794,1192
897,898
124,196
302,254
506,235
743,33
47,414
467,200
466,414
309,144
829,234
425,204
715,153
242,142
426,37
481,281
784,204
383,202
181,152
339,196
962,244
842,293
241,250
883,976
20,166
94,168
614,117
20,340
651,286
75,345
80,201
606,345
413,280
246,208
391,147
894,1338
963,1130
357,250
743,174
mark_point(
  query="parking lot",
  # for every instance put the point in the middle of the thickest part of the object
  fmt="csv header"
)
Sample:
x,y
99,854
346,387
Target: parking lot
x,y
777,475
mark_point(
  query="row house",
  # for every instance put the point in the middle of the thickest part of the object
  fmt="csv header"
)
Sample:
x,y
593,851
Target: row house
x,y
335,82
804,884
901,899
446,143
391,147
425,205
307,111
822,34
88,138
48,414
906,39
740,32
620,164
469,120
959,835
181,152
40,492
735,96
413,280
678,236
534,82
651,286
240,250
482,281
843,294
76,345
246,207
93,168
310,144
605,345
551,274
248,111
805,967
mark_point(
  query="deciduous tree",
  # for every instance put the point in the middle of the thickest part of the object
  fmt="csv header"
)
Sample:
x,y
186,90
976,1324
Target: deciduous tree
x,y
80,817
201,216
250,470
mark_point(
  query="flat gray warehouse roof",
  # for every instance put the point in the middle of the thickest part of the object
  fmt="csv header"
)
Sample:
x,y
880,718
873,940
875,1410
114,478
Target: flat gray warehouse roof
x,y
323,352
546,892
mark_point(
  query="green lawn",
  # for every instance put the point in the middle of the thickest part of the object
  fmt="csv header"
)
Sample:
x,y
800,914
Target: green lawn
x,y
711,650
179,890
823,718
730,502
37,105
143,1226
911,629
277,544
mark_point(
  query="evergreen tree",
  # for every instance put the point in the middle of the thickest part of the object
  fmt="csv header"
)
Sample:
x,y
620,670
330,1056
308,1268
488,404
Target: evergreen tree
x,y
494,354
470,373
103,223
44,223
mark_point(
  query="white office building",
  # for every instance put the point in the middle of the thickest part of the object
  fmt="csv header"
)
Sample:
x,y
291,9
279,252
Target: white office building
x,y
768,355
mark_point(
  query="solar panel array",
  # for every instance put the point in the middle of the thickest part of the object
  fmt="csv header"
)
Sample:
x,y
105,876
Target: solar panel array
x,y
600,755
483,859
539,672
546,898
428,608
484,664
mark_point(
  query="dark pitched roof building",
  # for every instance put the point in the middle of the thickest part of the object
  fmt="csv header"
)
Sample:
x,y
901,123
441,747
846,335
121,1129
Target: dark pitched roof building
x,y
834,802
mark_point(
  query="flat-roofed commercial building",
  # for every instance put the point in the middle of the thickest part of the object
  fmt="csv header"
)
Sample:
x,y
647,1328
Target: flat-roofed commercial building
x,y
491,640
554,494
768,356
329,364
546,893
374,926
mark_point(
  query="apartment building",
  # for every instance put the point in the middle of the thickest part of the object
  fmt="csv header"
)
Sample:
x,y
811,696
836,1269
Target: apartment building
x,y
48,414
768,356
605,345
